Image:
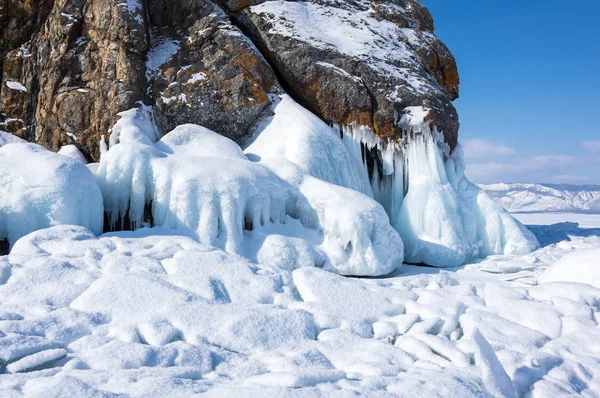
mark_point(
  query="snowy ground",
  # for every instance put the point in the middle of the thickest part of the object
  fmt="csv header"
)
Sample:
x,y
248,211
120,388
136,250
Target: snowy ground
x,y
145,314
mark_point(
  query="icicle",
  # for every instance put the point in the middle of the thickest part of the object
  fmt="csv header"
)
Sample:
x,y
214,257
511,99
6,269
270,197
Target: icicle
x,y
443,219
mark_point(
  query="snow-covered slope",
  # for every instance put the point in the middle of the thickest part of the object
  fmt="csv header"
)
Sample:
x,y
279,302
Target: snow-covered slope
x,y
545,197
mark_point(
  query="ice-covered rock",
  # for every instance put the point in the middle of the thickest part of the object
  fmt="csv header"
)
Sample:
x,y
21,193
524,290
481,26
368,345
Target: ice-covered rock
x,y
443,219
356,63
135,125
197,180
302,149
39,189
295,135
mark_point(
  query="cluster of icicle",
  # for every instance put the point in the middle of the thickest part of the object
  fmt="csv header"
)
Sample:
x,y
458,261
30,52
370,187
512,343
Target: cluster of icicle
x,y
202,184
444,219
297,186
298,179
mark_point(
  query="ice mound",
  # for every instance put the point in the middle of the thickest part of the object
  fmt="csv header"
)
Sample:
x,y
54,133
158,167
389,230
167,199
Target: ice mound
x,y
444,220
192,179
358,238
135,125
197,181
39,189
580,267
300,148
299,137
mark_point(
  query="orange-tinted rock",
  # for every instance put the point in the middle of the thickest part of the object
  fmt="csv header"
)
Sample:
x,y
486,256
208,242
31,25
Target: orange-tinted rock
x,y
81,62
216,78
389,60
81,66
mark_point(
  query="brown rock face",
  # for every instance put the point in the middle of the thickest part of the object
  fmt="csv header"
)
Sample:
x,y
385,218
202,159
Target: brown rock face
x,y
83,65
381,58
215,78
70,66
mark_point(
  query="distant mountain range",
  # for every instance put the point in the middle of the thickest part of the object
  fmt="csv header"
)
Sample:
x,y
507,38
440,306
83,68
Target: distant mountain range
x,y
546,197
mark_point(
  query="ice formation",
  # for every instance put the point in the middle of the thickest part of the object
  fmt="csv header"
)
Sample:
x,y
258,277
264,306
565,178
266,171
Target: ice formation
x,y
300,148
443,219
198,181
192,179
135,125
39,189
300,181
300,173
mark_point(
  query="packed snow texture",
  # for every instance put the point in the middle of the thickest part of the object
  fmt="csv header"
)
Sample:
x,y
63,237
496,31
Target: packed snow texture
x,y
39,189
150,313
443,219
72,152
582,267
546,197
8,138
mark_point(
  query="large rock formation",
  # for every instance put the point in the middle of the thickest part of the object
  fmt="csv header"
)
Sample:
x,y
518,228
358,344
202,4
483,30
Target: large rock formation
x,y
358,62
82,63
70,66
212,75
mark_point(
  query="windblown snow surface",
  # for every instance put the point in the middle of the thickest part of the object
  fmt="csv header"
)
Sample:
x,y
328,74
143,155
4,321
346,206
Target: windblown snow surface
x,y
230,284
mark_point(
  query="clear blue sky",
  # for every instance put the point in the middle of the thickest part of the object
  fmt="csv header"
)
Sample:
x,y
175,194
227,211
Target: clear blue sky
x,y
530,86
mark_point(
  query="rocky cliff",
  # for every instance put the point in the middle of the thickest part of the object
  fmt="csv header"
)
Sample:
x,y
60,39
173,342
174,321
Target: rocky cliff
x,y
70,66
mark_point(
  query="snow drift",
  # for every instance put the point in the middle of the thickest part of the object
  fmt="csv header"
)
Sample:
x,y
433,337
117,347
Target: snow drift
x,y
39,189
581,267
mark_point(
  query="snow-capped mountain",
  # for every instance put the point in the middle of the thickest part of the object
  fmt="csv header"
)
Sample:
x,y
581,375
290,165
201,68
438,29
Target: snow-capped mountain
x,y
545,197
